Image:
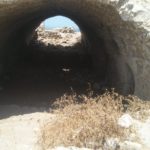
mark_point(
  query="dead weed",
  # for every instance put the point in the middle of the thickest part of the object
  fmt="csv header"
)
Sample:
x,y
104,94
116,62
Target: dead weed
x,y
87,121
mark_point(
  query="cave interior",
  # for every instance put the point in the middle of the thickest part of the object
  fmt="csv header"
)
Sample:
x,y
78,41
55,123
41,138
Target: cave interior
x,y
31,73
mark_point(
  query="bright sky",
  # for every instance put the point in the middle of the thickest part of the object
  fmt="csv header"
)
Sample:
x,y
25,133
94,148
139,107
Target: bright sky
x,y
60,21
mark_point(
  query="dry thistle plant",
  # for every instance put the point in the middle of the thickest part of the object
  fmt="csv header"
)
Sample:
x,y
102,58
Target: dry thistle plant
x,y
87,121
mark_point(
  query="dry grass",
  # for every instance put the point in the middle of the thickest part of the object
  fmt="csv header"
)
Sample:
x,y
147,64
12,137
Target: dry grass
x,y
87,121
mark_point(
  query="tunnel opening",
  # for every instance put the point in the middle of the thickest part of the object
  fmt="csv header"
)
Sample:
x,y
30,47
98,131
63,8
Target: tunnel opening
x,y
30,67
58,40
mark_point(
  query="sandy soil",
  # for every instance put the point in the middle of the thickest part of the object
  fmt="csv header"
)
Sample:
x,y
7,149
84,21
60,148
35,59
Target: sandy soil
x,y
20,131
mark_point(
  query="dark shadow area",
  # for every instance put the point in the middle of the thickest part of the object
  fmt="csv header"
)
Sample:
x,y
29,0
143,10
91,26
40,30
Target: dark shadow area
x,y
44,75
38,82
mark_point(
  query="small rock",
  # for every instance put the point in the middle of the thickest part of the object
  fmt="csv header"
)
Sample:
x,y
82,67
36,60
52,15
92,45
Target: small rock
x,y
65,69
125,121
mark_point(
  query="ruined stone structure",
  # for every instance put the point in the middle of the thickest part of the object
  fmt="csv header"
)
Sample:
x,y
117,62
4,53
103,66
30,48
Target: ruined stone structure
x,y
116,33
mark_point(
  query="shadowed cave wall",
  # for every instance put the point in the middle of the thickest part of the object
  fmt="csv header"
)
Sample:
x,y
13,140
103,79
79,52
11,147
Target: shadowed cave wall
x,y
104,33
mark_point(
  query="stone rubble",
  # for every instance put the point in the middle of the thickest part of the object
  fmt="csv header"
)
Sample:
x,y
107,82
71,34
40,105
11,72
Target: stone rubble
x,y
65,36
138,139
125,121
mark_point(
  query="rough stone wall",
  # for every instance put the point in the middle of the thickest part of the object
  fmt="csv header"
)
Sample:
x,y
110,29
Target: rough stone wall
x,y
121,27
134,38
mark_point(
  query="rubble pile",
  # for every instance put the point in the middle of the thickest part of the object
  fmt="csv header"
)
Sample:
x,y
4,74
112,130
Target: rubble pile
x,y
65,36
